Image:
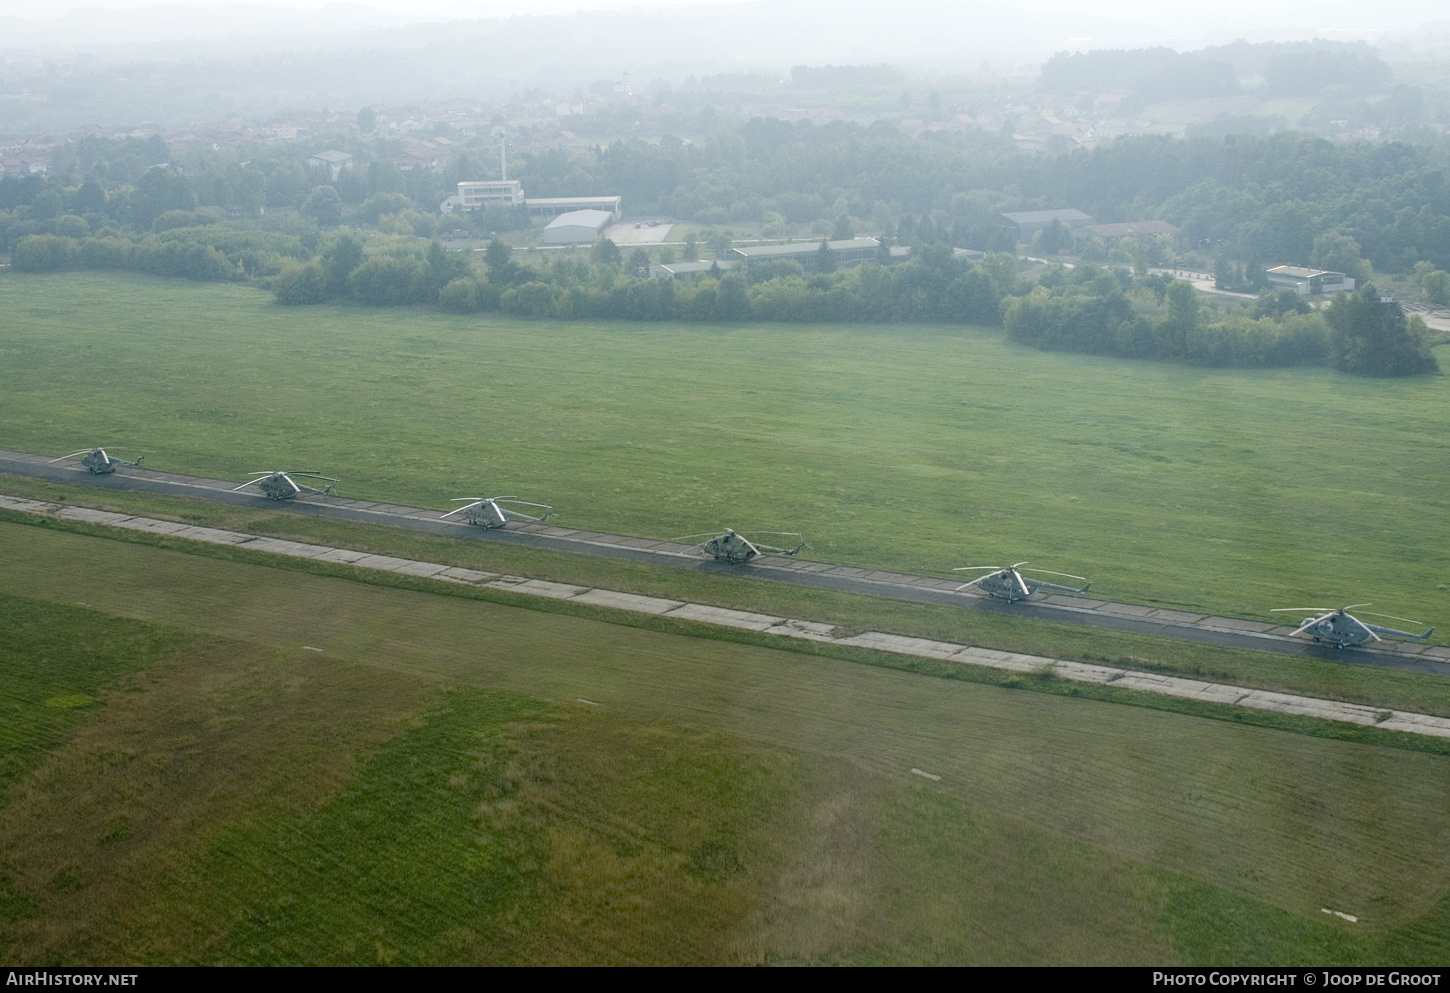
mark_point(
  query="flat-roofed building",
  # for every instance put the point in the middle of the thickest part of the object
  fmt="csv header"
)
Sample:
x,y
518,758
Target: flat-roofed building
x,y
478,194
1025,223
577,226
1308,282
542,210
844,254
679,270
335,161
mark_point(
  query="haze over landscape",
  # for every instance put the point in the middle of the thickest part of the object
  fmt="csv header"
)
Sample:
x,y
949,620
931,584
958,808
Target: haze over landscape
x,y
1150,300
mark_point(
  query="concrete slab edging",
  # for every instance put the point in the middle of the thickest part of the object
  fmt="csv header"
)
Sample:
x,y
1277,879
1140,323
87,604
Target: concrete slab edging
x,y
1147,682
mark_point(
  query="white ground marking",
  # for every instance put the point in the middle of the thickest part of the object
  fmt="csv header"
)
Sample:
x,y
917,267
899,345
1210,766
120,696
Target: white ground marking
x,y
1149,682
309,648
926,775
1349,917
580,699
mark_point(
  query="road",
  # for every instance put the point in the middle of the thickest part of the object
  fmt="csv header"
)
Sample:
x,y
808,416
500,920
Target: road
x,y
1081,611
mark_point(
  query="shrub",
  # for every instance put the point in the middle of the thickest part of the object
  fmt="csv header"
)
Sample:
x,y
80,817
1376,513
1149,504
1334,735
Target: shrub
x,y
298,285
1371,337
459,296
43,253
383,281
106,253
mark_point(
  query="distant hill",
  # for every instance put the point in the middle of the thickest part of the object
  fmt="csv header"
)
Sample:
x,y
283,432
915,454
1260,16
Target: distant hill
x,y
826,77
1153,73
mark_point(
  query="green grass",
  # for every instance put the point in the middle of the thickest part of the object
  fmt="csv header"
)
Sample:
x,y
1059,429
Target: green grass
x,y
429,789
1331,679
56,664
914,448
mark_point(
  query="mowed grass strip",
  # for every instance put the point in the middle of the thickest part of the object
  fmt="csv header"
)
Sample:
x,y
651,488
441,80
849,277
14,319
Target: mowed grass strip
x,y
913,448
1330,679
1135,812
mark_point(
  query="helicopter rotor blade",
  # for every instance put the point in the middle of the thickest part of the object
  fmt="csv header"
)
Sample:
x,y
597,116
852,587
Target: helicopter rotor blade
x,y
1355,606
707,535
969,568
1297,610
1049,572
83,451
1375,613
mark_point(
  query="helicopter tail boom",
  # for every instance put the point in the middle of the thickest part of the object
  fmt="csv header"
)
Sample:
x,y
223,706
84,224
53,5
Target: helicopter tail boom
x,y
1378,630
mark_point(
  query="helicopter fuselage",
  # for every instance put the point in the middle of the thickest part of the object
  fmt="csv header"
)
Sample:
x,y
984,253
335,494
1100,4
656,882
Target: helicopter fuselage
x,y
486,514
1008,585
730,547
99,463
278,486
1339,629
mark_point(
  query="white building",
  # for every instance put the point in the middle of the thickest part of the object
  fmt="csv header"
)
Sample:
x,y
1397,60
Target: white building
x,y
542,210
334,160
1308,282
479,194
577,226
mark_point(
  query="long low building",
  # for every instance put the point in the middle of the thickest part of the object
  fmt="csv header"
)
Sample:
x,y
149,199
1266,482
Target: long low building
x,y
1023,224
1308,282
542,210
577,226
844,254
679,270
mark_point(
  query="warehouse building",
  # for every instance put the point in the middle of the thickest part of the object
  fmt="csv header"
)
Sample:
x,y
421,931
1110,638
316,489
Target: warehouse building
x,y
577,226
1308,282
1026,223
543,210
845,254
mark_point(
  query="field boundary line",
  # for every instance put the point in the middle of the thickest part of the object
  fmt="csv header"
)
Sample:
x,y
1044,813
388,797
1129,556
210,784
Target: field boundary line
x,y
1164,621
1079,672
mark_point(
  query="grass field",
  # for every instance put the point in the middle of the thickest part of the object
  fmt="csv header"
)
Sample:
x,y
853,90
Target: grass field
x,y
915,448
1329,678
455,781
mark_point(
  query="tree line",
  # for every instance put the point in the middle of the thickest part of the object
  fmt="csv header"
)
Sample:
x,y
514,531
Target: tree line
x,y
1258,200
1087,308
1105,312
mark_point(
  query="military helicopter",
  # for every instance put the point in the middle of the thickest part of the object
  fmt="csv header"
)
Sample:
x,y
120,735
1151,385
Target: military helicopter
x,y
486,512
1009,584
99,462
278,484
1341,628
735,548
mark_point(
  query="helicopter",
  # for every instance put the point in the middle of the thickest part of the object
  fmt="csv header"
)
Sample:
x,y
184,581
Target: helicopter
x,y
278,484
735,548
99,462
1009,584
1341,628
486,512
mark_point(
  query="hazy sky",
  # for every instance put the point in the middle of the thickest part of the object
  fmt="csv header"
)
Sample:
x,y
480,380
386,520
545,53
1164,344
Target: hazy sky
x,y
930,33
